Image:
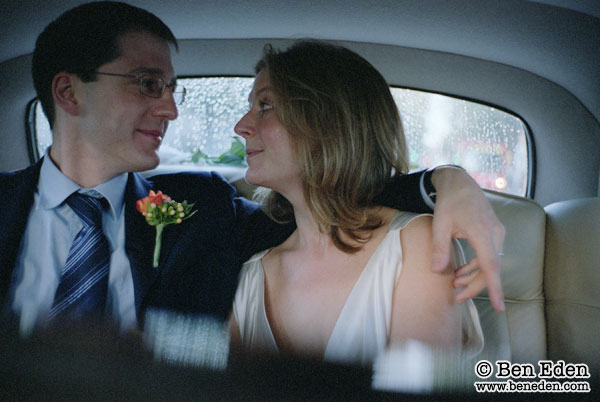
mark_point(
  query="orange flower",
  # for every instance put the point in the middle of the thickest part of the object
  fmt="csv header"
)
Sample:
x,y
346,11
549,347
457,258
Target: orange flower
x,y
153,198
159,211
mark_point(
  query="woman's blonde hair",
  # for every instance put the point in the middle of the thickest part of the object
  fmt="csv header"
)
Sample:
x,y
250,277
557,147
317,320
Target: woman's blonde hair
x,y
346,131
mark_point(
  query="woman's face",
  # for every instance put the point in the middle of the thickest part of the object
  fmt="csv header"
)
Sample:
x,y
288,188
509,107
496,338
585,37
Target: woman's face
x,y
271,160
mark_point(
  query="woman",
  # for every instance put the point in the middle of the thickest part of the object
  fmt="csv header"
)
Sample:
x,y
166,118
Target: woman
x,y
323,135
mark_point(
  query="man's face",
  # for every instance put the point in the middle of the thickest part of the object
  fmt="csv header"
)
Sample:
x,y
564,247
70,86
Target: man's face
x,y
121,128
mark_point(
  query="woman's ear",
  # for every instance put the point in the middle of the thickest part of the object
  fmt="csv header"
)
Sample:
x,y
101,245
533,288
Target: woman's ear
x,y
64,92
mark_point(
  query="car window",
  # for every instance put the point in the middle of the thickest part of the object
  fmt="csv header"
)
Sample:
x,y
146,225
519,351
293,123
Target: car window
x,y
491,144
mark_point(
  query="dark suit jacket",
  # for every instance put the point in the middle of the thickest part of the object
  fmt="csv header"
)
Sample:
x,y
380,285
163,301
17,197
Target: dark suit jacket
x,y
200,258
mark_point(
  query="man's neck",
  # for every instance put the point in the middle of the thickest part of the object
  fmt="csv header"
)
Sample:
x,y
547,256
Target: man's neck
x,y
88,172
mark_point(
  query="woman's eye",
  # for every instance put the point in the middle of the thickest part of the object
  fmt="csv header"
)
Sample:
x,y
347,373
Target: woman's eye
x,y
263,106
260,107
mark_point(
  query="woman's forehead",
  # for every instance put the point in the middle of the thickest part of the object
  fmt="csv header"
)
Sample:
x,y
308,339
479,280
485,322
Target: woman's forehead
x,y
262,83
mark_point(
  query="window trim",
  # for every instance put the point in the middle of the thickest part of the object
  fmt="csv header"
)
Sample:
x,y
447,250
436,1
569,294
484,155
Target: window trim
x,y
31,131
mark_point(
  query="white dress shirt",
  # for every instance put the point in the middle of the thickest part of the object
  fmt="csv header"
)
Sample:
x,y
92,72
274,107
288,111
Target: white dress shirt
x,y
50,230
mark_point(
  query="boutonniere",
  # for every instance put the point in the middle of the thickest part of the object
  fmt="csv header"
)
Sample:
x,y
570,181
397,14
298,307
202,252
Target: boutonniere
x,y
160,210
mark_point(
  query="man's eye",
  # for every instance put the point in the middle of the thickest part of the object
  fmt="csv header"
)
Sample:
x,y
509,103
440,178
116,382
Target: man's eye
x,y
152,85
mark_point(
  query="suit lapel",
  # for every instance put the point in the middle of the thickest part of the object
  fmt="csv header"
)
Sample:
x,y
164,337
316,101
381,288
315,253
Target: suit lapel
x,y
139,236
139,240
17,202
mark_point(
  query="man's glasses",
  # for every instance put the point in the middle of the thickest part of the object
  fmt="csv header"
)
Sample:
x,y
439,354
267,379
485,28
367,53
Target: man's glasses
x,y
153,86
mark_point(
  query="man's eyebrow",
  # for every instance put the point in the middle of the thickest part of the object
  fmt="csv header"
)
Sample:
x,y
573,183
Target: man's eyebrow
x,y
149,70
153,71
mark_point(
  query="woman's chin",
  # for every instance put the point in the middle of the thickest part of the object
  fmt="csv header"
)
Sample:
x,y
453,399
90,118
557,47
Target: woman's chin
x,y
251,178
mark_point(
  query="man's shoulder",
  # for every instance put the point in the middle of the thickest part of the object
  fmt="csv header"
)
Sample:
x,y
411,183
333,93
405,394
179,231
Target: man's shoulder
x,y
192,182
18,172
18,177
169,179
8,180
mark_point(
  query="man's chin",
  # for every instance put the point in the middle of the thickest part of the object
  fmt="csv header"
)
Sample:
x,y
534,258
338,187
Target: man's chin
x,y
149,163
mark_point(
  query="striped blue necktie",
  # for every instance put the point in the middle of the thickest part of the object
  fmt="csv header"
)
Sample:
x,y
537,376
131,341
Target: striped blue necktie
x,y
81,293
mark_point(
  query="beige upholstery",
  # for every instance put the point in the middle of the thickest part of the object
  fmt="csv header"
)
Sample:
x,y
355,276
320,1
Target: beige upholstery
x,y
519,334
572,281
551,282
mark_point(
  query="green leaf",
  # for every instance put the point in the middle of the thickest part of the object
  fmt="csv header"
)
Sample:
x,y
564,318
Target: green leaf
x,y
198,155
238,148
234,156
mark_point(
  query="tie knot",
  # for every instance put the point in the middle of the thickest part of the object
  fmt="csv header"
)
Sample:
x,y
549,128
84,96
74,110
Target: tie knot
x,y
89,209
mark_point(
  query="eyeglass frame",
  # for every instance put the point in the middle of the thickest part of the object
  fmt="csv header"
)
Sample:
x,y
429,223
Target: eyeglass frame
x,y
174,87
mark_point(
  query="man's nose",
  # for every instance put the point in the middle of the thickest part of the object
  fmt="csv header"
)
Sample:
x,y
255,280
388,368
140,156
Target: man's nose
x,y
166,107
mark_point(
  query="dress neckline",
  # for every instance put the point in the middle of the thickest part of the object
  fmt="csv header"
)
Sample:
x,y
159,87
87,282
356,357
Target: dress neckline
x,y
360,279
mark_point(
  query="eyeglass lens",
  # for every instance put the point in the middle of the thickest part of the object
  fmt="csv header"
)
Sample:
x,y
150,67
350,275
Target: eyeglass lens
x,y
155,87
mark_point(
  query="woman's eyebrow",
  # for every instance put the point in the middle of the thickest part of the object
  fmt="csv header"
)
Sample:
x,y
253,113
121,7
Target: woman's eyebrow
x,y
257,93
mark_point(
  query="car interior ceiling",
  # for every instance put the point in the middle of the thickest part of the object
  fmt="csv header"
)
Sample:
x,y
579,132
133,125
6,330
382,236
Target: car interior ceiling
x,y
536,59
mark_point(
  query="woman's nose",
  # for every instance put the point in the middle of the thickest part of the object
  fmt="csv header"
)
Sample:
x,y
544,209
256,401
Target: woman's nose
x,y
245,127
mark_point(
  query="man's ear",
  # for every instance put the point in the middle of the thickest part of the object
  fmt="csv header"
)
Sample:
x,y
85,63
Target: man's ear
x,y
64,92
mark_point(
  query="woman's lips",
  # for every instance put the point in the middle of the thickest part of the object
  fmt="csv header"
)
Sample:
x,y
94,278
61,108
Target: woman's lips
x,y
252,152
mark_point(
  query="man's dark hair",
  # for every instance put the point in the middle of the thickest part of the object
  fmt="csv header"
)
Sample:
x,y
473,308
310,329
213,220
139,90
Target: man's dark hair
x,y
84,38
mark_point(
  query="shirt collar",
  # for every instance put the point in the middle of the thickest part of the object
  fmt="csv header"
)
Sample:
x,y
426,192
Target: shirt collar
x,y
54,188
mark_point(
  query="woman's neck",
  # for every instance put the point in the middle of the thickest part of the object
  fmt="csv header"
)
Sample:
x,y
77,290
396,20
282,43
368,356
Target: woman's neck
x,y
309,234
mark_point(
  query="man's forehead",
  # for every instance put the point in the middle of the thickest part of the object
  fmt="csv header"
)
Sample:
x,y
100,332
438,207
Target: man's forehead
x,y
144,52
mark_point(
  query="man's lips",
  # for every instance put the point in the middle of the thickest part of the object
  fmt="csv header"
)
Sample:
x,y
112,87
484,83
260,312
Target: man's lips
x,y
157,135
252,152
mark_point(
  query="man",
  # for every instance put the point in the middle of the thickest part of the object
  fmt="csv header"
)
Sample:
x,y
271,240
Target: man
x,y
104,77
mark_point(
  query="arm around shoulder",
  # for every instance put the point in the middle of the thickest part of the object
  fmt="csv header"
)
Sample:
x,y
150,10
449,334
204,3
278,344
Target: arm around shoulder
x,y
462,211
403,192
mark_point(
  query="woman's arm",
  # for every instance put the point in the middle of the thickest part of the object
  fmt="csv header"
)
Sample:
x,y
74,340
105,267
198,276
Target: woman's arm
x,y
423,306
461,211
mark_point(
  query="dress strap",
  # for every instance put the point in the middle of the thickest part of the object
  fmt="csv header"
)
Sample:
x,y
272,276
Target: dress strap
x,y
402,219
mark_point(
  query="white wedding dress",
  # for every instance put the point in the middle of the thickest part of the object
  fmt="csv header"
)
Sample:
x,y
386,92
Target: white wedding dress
x,y
361,331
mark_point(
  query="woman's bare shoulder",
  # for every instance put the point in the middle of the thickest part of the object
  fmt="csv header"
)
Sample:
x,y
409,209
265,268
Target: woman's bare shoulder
x,y
417,234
